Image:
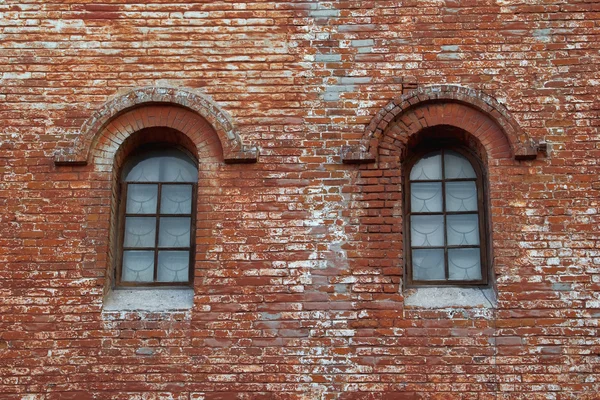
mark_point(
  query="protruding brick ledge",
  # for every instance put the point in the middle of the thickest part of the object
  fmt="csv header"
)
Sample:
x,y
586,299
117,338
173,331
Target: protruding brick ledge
x,y
245,155
358,155
234,151
450,105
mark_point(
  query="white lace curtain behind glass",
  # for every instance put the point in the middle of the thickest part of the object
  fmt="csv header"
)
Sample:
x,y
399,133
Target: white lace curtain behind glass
x,y
444,221
169,165
159,196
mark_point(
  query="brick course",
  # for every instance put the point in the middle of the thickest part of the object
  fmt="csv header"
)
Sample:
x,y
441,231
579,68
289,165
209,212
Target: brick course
x,y
300,113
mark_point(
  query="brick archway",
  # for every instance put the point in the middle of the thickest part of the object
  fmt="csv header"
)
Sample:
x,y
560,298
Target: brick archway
x,y
180,109
473,111
120,135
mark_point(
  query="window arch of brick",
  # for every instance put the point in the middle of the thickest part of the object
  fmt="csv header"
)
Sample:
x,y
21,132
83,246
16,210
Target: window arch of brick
x,y
188,112
464,108
148,117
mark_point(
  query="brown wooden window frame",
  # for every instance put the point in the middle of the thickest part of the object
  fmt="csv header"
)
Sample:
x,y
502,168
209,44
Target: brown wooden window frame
x,y
484,233
122,207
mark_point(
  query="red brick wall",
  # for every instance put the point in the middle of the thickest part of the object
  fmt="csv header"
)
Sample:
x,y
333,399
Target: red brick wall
x,y
299,264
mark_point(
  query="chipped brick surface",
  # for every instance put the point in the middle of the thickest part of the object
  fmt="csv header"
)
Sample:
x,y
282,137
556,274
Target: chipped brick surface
x,y
298,289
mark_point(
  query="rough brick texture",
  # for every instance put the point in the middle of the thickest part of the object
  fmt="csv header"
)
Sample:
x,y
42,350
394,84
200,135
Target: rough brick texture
x,y
299,251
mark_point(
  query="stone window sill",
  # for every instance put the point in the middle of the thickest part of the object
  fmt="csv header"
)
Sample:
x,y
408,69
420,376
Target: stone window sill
x,y
445,297
152,300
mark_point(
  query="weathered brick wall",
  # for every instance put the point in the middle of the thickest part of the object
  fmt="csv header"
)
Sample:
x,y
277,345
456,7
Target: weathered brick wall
x,y
299,264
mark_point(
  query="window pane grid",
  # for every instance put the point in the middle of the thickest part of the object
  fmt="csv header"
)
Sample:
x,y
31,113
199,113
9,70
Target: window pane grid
x,y
461,233
436,213
444,208
425,247
444,180
159,253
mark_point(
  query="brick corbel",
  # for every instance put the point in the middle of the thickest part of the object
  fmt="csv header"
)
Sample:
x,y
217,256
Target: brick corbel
x,y
522,146
234,150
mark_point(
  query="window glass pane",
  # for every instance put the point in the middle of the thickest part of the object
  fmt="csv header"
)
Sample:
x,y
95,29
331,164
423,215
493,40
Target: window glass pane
x,y
138,266
456,166
463,229
464,264
428,265
178,169
427,168
169,165
174,232
461,196
173,266
427,230
140,231
426,197
141,199
143,168
176,199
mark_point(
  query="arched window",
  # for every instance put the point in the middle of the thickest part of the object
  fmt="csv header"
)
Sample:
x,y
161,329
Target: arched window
x,y
445,217
157,218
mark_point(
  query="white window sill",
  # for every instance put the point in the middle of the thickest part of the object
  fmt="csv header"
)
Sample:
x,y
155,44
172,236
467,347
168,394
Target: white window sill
x,y
444,297
153,300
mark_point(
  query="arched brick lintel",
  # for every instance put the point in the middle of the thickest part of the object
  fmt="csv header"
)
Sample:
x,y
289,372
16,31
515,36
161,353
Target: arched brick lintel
x,y
119,135
412,111
431,114
234,151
